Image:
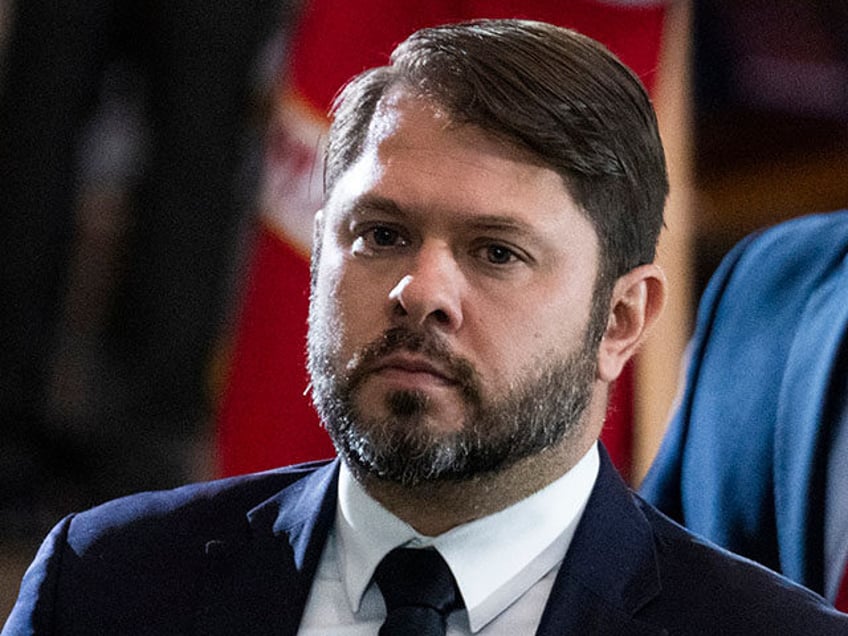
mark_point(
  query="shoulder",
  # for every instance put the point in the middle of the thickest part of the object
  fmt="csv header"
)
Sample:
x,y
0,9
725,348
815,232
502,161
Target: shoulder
x,y
726,592
169,515
146,559
826,229
767,279
801,248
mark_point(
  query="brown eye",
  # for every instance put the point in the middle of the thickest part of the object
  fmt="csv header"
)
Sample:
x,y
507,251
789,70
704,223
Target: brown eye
x,y
499,255
384,236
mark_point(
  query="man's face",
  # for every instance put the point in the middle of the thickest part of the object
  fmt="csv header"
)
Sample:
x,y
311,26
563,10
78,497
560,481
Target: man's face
x,y
452,292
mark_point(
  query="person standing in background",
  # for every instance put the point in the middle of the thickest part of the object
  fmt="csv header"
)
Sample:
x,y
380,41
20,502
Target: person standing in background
x,y
756,453
193,65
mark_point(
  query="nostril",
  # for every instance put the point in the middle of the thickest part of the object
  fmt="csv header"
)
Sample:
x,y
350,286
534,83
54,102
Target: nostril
x,y
441,316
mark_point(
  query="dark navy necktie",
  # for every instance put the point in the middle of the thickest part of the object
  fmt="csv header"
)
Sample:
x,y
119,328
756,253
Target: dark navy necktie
x,y
419,591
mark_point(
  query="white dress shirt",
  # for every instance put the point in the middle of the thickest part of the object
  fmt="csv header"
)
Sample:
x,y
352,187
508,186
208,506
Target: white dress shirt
x,y
504,564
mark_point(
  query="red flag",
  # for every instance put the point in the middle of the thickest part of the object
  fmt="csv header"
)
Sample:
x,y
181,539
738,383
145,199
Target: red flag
x,y
265,418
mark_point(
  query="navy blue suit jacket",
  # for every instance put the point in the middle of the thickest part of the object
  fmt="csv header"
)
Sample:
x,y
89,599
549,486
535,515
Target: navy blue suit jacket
x,y
238,557
743,461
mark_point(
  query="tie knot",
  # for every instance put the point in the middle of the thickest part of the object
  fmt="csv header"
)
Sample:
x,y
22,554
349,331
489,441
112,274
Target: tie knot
x,y
419,589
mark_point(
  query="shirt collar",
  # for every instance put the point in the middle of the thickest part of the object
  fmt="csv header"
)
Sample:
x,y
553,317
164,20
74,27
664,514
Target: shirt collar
x,y
494,559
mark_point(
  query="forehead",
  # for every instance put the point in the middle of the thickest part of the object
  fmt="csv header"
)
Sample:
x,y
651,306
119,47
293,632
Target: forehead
x,y
413,145
422,161
402,120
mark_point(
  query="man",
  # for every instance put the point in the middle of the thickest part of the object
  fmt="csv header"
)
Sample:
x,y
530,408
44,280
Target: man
x,y
755,455
482,271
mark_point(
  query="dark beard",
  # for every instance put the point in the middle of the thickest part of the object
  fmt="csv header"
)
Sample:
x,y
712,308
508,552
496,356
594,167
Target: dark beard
x,y
539,412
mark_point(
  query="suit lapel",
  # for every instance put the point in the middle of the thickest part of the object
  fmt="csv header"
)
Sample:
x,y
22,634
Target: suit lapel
x,y
610,570
259,582
804,424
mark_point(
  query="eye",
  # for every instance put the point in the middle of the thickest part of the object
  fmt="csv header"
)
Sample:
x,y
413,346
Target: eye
x,y
500,257
382,236
499,254
375,239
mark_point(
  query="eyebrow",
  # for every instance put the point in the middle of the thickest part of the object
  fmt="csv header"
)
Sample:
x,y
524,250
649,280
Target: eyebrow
x,y
375,204
501,223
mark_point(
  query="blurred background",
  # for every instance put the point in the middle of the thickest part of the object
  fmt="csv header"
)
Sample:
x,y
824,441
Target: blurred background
x,y
132,188
770,85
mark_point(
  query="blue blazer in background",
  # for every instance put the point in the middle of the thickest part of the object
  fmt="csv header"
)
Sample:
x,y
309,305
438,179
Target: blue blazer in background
x,y
238,557
744,459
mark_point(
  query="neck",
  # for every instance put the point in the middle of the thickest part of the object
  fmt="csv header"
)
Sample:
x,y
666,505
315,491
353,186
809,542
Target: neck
x,y
436,507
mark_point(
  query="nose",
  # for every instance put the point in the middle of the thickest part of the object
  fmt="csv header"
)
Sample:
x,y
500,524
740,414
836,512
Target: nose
x,y
431,291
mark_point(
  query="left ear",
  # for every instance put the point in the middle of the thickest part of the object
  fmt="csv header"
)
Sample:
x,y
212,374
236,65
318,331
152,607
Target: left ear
x,y
636,303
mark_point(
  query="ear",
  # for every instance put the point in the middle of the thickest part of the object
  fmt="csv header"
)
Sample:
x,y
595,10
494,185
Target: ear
x,y
636,303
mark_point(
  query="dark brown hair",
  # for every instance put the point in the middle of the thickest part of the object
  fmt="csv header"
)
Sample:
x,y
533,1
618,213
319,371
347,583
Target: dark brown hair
x,y
550,90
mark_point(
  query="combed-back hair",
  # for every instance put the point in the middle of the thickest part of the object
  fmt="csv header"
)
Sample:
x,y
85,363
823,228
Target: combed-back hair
x,y
550,90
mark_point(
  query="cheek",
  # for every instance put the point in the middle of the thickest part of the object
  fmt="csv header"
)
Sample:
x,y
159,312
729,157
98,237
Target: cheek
x,y
520,339
493,343
325,290
325,308
351,304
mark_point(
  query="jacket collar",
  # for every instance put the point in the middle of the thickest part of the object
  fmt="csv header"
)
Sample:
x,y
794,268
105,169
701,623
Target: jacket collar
x,y
610,571
258,583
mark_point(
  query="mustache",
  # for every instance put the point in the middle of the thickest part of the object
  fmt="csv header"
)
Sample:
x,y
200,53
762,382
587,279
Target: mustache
x,y
419,342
